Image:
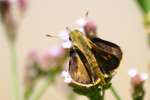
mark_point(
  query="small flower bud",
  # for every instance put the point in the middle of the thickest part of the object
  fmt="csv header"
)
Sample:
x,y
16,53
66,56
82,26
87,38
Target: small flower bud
x,y
9,15
90,28
22,5
8,18
137,81
31,68
87,26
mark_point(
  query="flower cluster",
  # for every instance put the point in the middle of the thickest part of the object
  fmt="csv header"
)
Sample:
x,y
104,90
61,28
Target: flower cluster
x,y
11,12
137,81
46,65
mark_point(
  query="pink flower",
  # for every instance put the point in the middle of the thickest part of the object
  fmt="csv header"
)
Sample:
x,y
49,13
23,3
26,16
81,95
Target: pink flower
x,y
22,5
33,55
31,70
137,83
50,58
64,36
90,26
9,14
137,79
87,26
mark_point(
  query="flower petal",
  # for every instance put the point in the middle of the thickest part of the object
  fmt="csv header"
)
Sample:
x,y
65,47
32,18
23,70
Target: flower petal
x,y
63,34
67,44
67,77
132,72
81,22
144,76
55,51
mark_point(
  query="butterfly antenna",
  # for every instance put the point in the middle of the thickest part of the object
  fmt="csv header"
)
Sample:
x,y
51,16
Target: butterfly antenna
x,y
50,35
68,29
87,14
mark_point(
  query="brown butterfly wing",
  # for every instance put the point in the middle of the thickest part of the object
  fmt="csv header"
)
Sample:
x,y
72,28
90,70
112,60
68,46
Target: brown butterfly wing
x,y
107,54
77,68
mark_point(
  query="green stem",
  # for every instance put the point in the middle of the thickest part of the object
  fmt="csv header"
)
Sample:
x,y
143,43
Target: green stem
x,y
29,90
115,93
14,74
93,93
96,96
37,95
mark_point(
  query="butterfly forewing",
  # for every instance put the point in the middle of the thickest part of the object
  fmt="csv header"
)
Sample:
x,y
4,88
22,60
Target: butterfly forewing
x,y
108,55
77,69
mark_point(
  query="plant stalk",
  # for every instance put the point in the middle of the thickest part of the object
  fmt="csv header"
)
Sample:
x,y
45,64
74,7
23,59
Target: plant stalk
x,y
114,92
38,94
14,74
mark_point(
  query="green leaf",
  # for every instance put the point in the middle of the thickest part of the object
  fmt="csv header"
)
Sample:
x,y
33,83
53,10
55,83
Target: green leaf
x,y
145,5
